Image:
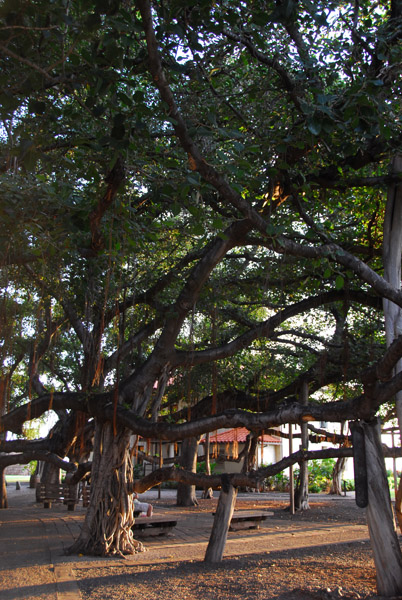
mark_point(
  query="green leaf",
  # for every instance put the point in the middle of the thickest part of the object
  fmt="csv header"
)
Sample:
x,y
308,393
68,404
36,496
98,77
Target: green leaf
x,y
314,125
198,229
339,282
193,179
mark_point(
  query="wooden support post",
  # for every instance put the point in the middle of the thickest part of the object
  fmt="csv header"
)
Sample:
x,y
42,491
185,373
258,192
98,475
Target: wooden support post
x,y
160,466
291,478
359,463
380,518
223,515
208,492
301,495
394,466
398,504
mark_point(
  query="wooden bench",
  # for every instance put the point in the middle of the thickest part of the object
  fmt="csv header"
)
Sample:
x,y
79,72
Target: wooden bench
x,y
54,492
153,526
248,519
85,492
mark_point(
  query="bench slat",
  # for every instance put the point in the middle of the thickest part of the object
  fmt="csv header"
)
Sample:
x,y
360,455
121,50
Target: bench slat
x,y
153,526
49,492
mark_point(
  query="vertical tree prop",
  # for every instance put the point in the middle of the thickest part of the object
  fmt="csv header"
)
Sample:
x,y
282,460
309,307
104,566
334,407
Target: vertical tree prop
x,y
392,249
223,515
359,464
188,460
380,518
301,495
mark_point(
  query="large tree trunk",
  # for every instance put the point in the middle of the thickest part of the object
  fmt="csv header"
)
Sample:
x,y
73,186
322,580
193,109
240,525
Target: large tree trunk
x,y
301,494
3,490
50,473
392,249
398,504
208,493
186,493
110,516
4,381
34,478
337,473
251,457
380,518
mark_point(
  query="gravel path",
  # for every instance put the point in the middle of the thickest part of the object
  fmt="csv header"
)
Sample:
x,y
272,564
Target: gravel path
x,y
344,571
272,562
322,553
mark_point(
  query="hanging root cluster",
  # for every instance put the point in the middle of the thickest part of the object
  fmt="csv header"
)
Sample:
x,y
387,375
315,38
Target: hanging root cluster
x,y
107,529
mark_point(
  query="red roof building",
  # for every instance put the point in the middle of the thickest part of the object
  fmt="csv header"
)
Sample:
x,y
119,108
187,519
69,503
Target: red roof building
x,y
239,435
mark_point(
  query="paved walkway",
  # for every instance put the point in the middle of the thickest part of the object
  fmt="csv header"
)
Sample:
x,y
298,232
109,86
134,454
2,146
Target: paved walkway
x,y
33,564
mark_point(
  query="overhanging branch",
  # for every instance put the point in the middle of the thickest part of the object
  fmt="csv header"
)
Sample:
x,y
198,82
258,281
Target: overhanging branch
x,y
253,479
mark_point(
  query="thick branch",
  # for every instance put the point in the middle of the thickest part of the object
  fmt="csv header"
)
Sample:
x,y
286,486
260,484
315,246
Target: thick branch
x,y
14,420
26,457
253,479
265,329
280,243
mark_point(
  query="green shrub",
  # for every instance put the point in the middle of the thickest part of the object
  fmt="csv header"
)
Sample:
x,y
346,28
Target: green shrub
x,y
202,467
278,482
319,477
349,484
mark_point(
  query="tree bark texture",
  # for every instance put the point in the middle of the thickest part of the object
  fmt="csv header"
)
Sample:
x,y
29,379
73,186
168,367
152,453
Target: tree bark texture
x,y
392,249
336,485
251,458
3,490
220,527
398,504
110,516
301,494
3,436
208,492
50,473
186,493
380,518
337,473
359,464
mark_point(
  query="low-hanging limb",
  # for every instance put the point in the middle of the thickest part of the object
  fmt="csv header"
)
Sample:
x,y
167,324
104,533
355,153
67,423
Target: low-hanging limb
x,y
252,480
379,387
24,458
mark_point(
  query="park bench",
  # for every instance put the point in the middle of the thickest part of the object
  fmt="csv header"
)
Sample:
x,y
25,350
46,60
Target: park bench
x,y
55,492
153,526
85,493
248,519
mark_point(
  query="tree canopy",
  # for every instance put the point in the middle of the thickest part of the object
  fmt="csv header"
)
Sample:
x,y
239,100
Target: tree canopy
x,y
193,199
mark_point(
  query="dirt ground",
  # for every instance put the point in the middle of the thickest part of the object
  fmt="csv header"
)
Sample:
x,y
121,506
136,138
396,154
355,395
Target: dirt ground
x,y
319,554
337,570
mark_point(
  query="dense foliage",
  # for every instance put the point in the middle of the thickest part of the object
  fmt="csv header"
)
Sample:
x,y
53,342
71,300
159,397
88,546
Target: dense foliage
x,y
192,198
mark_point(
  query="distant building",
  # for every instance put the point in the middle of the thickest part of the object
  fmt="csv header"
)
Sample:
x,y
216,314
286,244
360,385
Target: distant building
x,y
227,444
